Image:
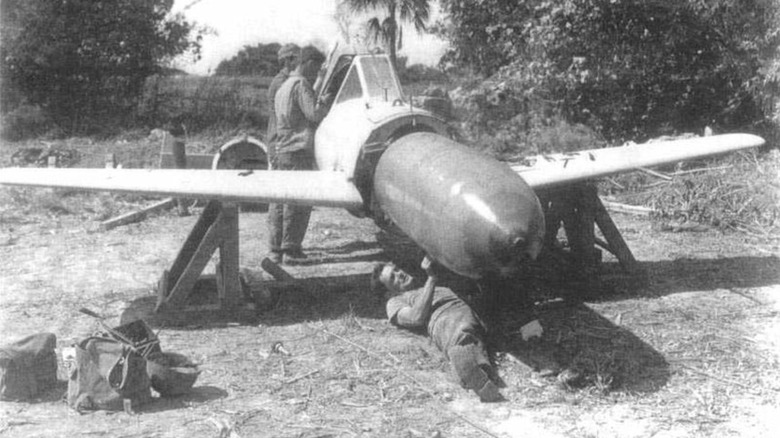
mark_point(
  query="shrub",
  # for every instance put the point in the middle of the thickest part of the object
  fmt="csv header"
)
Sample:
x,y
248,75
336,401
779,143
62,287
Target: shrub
x,y
205,102
25,121
629,69
507,126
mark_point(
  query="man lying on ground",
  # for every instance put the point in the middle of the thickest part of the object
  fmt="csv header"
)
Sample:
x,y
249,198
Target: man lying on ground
x,y
452,325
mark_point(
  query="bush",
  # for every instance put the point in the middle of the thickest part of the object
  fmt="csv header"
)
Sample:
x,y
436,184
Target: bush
x,y
85,61
498,121
205,102
629,69
25,121
419,73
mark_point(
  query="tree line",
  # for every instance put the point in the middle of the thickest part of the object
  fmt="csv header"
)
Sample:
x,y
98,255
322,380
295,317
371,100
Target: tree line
x,y
257,60
626,68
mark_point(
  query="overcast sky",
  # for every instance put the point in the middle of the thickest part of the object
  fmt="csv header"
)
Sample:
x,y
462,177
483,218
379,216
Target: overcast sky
x,y
246,22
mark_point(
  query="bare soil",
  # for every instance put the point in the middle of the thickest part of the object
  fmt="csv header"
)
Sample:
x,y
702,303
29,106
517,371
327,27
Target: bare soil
x,y
692,350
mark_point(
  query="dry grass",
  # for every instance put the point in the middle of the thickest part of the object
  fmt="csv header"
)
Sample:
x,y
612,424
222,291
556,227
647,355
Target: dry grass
x,y
740,192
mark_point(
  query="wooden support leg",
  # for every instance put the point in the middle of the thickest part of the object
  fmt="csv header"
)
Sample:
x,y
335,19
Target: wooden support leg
x,y
217,228
578,221
552,219
570,209
580,229
228,277
580,211
615,242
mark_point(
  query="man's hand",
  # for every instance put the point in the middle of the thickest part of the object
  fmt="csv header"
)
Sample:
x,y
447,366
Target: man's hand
x,y
430,267
326,99
417,313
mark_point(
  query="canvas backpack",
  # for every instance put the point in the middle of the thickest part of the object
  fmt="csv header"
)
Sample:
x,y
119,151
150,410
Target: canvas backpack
x,y
28,367
108,375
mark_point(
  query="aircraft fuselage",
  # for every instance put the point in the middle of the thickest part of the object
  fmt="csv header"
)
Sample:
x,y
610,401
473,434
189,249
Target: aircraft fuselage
x,y
468,211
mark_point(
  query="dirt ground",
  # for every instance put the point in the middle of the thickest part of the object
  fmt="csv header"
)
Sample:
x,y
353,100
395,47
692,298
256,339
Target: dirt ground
x,y
691,352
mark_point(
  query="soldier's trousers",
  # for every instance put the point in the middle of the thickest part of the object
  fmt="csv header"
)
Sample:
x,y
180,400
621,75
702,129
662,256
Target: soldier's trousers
x,y
287,224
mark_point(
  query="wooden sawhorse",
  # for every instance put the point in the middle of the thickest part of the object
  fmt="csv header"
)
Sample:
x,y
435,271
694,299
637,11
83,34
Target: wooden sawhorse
x,y
579,211
216,229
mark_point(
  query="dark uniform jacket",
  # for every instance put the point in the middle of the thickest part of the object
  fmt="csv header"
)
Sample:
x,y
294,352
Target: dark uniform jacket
x,y
297,115
276,83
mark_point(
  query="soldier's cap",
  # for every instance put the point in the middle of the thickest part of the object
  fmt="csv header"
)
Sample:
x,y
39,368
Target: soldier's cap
x,y
311,53
289,51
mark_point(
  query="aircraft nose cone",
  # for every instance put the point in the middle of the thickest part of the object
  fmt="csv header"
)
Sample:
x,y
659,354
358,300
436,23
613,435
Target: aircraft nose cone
x,y
473,214
513,246
530,246
528,252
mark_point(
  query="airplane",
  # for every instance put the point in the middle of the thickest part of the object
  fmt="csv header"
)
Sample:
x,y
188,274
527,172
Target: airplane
x,y
380,157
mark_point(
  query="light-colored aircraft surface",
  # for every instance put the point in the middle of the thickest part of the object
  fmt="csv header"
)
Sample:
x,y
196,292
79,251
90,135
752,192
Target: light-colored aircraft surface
x,y
380,157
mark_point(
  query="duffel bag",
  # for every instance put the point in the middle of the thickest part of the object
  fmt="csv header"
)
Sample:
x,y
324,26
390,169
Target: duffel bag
x,y
28,367
108,375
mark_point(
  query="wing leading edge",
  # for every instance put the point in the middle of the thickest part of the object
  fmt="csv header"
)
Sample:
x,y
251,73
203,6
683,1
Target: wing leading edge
x,y
316,188
577,166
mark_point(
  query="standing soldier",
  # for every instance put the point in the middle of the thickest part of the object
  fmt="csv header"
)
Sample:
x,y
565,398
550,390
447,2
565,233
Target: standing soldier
x,y
288,57
297,114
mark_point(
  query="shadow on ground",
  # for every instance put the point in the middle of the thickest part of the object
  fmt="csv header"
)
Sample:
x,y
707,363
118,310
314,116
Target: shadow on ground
x,y
269,303
576,339
599,353
587,350
709,274
653,279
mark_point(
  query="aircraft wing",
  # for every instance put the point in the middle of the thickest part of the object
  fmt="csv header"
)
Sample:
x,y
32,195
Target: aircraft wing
x,y
330,189
558,169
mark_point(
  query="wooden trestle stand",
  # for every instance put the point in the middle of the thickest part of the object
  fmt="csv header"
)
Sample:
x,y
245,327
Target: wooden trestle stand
x,y
579,211
216,229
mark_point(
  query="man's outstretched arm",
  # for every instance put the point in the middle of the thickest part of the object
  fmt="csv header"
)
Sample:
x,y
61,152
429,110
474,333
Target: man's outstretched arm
x,y
418,313
312,109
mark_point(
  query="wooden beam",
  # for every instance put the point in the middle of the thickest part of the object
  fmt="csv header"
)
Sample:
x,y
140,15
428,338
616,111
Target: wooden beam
x,y
617,245
276,271
206,220
228,275
216,229
137,216
628,209
655,174
183,285
580,210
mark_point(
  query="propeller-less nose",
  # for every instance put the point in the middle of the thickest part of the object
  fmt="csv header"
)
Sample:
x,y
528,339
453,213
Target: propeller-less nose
x,y
470,212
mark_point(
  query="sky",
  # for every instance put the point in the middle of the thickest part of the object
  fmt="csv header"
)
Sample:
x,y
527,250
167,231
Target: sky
x,y
239,23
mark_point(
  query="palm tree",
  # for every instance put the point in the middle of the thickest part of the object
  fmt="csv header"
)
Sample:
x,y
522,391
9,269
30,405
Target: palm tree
x,y
387,29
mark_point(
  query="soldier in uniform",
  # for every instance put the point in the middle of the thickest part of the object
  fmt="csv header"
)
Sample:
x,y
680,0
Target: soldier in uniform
x,y
288,57
452,325
297,115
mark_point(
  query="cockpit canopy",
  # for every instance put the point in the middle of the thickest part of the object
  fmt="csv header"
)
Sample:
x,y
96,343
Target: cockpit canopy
x,y
370,78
